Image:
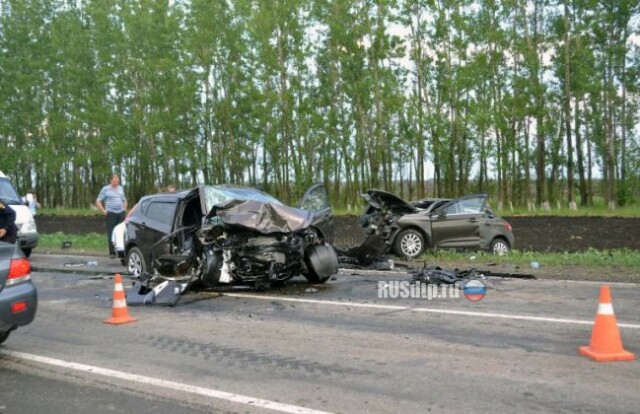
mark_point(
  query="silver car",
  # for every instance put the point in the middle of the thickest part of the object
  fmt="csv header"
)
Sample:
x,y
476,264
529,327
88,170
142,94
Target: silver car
x,y
18,296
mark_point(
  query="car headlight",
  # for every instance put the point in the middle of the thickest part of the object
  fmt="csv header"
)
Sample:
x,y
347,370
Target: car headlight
x,y
29,226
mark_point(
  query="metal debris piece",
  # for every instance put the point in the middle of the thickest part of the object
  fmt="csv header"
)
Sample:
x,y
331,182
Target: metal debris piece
x,y
370,251
437,276
166,293
76,263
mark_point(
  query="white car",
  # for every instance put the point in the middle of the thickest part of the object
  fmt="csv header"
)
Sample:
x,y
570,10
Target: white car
x,y
117,239
27,231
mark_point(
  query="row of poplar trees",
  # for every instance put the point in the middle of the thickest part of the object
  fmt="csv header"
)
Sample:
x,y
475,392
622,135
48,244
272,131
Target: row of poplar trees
x,y
533,101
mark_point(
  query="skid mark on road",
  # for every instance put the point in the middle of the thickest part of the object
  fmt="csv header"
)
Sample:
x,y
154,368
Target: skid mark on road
x,y
453,312
265,361
157,382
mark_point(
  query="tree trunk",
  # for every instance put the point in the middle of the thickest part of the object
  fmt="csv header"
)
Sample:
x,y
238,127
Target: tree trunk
x,y
567,107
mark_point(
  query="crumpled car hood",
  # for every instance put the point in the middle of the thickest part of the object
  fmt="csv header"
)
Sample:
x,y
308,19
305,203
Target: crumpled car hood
x,y
263,217
379,199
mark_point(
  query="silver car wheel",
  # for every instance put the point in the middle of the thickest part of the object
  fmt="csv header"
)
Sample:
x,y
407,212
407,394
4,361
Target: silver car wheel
x,y
500,248
411,245
135,264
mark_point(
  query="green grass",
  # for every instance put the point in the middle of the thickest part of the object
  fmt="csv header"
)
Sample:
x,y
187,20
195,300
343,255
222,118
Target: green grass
x,y
92,242
591,257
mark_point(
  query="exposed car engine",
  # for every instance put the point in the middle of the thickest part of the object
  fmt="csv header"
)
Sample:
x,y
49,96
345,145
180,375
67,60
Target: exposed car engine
x,y
218,254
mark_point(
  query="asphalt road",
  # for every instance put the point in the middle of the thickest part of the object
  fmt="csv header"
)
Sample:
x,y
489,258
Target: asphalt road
x,y
336,348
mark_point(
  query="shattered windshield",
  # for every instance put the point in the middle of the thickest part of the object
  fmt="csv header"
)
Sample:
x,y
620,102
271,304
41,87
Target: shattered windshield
x,y
218,194
7,192
315,199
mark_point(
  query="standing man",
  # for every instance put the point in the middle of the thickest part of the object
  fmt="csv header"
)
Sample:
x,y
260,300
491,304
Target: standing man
x,y
32,202
8,228
113,204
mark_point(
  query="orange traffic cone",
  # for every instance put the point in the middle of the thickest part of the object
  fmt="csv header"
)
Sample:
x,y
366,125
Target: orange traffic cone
x,y
120,313
606,344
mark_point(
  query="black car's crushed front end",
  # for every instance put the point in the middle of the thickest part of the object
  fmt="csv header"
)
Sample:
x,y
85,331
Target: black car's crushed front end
x,y
223,236
236,256
249,242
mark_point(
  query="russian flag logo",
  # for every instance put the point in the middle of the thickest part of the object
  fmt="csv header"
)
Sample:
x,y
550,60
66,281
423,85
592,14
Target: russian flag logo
x,y
474,290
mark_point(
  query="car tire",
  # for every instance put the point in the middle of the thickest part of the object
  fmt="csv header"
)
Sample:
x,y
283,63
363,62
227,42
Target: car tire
x,y
322,263
500,247
409,243
27,251
4,336
136,265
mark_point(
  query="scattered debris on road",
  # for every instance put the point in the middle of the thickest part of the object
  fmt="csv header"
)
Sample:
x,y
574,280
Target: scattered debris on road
x,y
75,263
437,276
166,293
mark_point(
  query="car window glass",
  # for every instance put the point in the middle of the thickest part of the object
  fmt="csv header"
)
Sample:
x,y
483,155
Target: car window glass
x,y
466,206
452,209
143,206
7,192
163,212
215,195
471,205
315,200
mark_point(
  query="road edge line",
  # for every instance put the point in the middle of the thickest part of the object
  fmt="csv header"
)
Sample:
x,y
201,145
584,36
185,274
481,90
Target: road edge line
x,y
175,386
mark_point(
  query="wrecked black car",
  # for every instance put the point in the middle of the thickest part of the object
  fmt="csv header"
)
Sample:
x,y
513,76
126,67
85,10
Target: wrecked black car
x,y
228,235
408,228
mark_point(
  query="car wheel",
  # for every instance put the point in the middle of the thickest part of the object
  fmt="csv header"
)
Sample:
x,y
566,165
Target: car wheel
x,y
4,336
27,252
136,264
500,247
409,243
322,263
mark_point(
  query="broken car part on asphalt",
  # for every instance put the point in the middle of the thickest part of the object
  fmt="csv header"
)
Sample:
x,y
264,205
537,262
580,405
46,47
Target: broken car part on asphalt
x,y
436,275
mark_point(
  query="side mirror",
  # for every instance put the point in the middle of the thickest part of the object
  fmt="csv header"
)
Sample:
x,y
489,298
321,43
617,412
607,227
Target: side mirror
x,y
439,212
489,213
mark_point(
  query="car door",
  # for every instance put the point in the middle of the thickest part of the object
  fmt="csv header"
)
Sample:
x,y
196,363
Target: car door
x,y
316,200
457,223
157,222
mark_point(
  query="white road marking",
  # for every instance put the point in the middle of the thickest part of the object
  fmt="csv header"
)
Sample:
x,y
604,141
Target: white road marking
x,y
427,310
157,382
590,282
